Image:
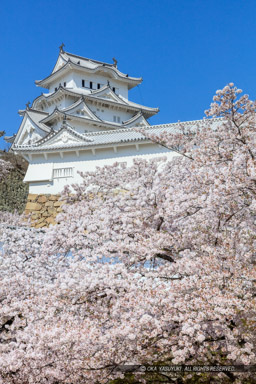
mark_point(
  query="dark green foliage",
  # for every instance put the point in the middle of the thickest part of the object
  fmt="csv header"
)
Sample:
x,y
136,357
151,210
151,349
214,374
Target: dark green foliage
x,y
13,192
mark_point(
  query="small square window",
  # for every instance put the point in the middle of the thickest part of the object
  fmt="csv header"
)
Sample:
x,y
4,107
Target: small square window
x,y
98,85
114,89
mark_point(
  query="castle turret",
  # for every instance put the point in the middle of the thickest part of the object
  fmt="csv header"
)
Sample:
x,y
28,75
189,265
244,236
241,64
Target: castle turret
x,y
84,120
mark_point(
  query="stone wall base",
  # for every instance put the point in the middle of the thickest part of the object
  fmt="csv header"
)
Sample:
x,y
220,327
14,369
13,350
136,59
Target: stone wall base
x,y
43,209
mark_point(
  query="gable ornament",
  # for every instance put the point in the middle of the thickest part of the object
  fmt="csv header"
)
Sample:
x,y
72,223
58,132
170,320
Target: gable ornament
x,y
115,62
61,48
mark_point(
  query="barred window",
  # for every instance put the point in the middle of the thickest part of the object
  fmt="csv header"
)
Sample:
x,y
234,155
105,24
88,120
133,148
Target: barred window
x,y
62,172
116,119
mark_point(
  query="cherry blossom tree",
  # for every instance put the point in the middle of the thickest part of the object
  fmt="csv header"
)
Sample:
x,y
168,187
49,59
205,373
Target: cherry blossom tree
x,y
153,263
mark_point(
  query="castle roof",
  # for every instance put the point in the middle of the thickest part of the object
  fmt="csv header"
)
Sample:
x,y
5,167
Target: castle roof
x,y
91,118
36,117
67,62
97,139
9,139
104,95
92,63
103,138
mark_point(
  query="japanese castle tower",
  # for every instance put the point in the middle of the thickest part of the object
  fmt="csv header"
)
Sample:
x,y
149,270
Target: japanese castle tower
x,y
83,121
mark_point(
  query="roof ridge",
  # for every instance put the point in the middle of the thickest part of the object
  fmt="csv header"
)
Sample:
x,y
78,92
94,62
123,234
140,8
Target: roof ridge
x,y
86,58
52,94
112,68
98,133
35,110
188,122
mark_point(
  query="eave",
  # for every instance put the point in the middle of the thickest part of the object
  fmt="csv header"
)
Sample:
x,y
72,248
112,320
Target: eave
x,y
121,102
45,83
127,139
54,134
93,140
134,119
99,123
60,92
62,114
9,139
80,147
22,112
93,97
40,126
147,112
85,58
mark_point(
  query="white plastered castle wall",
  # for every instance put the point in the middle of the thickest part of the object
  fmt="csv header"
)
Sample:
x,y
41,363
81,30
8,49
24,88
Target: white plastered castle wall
x,y
107,113
121,89
86,161
74,81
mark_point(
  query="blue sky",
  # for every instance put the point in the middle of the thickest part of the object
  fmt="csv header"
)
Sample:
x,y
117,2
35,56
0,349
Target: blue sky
x,y
183,49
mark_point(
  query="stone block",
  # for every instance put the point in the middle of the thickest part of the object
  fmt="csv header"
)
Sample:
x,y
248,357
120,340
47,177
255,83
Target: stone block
x,y
49,204
51,210
59,203
33,207
36,216
40,225
54,197
46,214
32,196
42,199
50,220
59,209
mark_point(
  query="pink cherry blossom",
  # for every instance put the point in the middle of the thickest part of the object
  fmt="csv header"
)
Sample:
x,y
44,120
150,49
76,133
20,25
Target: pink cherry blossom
x,y
150,263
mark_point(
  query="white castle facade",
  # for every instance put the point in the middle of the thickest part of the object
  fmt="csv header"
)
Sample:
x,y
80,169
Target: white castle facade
x,y
84,121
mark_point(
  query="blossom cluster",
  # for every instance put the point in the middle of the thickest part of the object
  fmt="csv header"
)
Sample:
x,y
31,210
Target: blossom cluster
x,y
150,263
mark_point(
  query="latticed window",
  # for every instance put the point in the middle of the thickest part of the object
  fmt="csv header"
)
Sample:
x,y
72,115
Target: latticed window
x,y
116,119
62,172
